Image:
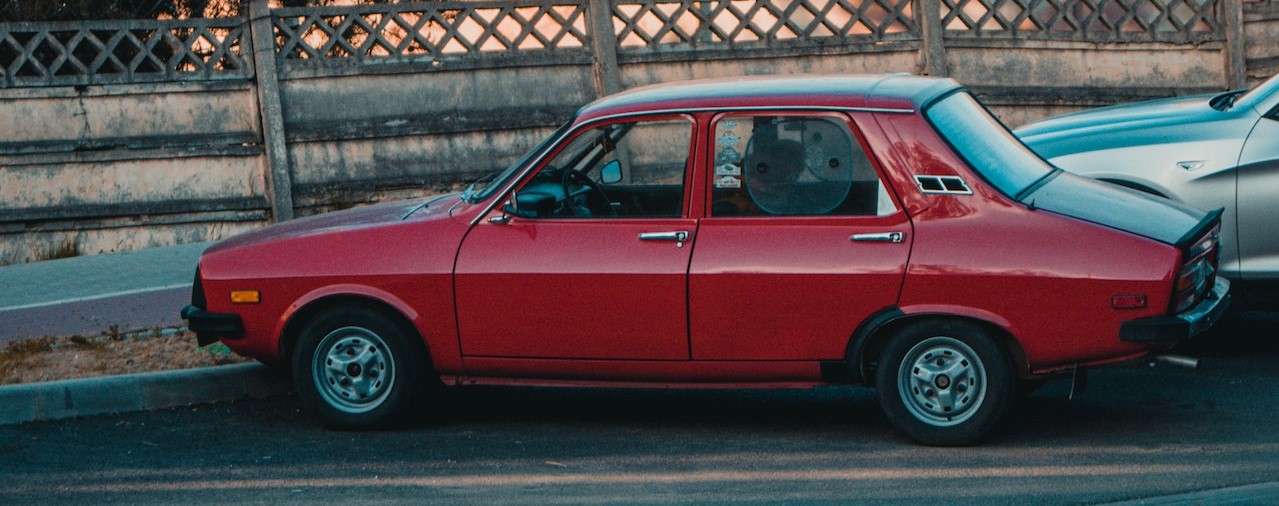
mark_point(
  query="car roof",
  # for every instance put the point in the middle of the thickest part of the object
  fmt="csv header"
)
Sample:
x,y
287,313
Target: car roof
x,y
893,92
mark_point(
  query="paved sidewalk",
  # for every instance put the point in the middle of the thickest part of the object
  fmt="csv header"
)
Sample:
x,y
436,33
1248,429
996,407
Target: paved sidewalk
x,y
88,295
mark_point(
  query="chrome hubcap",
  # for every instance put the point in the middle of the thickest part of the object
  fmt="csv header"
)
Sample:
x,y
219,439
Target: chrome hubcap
x,y
942,382
353,370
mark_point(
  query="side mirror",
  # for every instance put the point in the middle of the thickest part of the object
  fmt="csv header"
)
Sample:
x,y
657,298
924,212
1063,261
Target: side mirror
x,y
611,173
505,217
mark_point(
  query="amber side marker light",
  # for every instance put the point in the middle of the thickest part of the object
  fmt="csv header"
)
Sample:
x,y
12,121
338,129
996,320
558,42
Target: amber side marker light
x,y
1128,301
245,297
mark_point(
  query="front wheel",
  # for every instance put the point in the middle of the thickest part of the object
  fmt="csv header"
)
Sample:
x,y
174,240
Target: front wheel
x,y
357,369
944,383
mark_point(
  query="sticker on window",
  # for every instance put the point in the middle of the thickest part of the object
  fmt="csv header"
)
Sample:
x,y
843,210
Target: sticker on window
x,y
729,138
728,169
728,155
728,182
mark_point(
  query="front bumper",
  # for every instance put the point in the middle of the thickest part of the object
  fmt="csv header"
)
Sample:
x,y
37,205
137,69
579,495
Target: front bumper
x,y
1169,330
210,327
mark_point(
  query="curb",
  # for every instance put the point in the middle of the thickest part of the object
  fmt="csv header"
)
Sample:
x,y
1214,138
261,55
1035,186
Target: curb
x,y
57,400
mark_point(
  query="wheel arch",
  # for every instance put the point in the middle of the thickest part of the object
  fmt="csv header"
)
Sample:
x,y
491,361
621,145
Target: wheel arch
x,y
872,336
292,329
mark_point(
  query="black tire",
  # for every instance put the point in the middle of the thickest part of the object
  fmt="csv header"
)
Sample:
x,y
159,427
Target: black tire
x,y
945,382
355,368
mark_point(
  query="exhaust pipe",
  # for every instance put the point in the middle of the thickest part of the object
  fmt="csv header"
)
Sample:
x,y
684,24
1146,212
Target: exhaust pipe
x,y
1176,360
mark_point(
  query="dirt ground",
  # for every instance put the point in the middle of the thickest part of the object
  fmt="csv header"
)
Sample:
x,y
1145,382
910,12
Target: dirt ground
x,y
51,359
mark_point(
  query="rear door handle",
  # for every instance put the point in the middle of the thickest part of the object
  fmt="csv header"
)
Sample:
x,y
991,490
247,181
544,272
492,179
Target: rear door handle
x,y
879,237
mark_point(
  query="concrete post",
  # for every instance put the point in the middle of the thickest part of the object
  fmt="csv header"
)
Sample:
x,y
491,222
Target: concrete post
x,y
604,72
279,182
932,46
1231,12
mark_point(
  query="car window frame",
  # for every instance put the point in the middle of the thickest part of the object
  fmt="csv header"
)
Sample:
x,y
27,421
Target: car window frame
x,y
708,165
575,131
500,181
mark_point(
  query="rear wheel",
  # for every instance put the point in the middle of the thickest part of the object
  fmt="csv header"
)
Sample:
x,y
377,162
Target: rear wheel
x,y
357,368
944,383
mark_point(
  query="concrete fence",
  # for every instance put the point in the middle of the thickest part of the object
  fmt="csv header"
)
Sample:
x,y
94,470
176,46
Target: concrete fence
x,y
123,135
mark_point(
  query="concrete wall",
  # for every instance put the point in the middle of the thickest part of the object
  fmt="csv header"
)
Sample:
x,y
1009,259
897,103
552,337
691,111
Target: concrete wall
x,y
1261,40
103,157
352,136
87,170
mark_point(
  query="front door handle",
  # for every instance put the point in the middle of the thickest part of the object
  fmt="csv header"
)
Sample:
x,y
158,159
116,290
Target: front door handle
x,y
879,237
680,237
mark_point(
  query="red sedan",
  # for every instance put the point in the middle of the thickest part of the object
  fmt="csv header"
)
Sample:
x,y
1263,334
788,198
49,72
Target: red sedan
x,y
753,232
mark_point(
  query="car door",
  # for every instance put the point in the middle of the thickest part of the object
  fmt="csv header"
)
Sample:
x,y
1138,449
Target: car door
x,y
1258,237
802,243
589,259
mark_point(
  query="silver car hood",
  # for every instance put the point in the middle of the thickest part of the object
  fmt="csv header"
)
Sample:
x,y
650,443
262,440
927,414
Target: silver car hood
x,y
1113,206
1164,121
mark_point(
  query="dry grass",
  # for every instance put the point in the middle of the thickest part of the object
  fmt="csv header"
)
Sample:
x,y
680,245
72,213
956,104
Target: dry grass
x,y
65,249
51,359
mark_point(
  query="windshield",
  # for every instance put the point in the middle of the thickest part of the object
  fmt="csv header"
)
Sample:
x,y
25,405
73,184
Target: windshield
x,y
484,187
1258,93
986,144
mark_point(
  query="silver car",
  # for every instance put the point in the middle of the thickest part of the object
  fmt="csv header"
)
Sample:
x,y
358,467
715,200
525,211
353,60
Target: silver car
x,y
1209,151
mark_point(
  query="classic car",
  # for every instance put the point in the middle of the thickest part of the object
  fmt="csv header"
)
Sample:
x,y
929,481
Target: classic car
x,y
1208,151
750,232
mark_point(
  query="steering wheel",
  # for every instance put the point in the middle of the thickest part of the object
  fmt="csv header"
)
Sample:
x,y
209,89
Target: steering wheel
x,y
572,176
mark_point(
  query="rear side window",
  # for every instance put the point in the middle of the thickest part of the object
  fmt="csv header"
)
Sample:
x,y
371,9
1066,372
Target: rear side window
x,y
793,165
986,144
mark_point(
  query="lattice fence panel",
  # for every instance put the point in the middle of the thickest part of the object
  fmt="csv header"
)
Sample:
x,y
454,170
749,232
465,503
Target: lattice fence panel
x,y
1094,20
417,32
109,52
659,24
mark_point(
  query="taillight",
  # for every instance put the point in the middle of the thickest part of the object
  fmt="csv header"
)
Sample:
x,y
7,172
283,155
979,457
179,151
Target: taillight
x,y
1197,274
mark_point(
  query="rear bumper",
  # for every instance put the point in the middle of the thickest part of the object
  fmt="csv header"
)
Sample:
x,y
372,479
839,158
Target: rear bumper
x,y
1169,330
210,327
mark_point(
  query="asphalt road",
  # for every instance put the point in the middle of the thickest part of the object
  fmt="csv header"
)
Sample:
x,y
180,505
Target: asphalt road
x,y
1138,433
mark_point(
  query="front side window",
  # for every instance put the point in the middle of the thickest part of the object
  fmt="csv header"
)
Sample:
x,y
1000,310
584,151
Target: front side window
x,y
624,170
793,166
485,186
